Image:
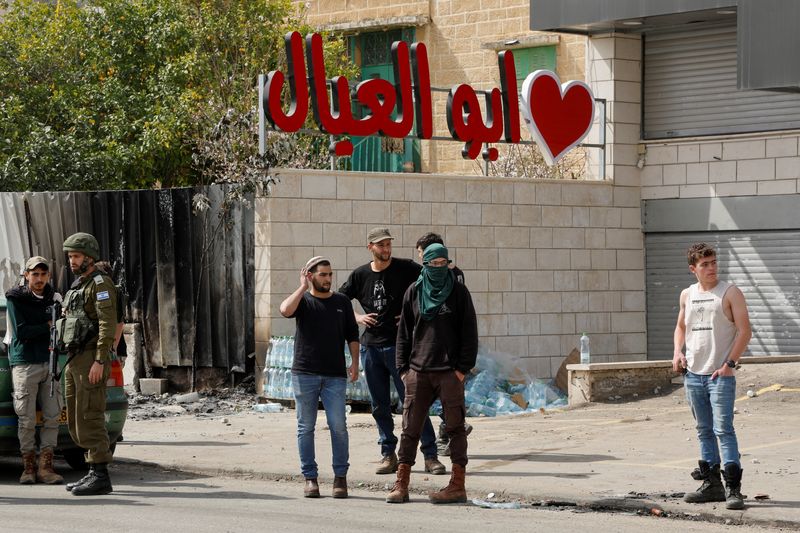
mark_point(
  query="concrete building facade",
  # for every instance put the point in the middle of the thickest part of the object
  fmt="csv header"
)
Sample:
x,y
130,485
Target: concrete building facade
x,y
463,38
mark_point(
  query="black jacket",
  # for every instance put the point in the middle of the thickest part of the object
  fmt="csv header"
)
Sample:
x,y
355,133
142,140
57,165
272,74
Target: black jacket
x,y
448,342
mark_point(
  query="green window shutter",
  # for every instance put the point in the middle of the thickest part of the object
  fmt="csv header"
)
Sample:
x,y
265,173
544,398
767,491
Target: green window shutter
x,y
526,60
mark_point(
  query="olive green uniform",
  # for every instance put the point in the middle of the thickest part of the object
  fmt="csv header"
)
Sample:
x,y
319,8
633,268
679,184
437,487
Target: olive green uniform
x,y
86,402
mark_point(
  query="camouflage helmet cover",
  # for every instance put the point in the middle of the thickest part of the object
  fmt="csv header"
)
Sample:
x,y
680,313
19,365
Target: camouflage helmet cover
x,y
83,243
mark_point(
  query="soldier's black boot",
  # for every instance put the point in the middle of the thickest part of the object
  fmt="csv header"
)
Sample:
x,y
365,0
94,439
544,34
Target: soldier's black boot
x,y
99,482
711,490
733,485
82,480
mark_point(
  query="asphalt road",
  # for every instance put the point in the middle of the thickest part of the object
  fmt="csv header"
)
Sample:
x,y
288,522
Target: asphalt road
x,y
151,499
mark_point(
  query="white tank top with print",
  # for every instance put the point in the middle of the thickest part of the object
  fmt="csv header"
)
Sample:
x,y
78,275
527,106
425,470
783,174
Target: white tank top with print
x,y
709,333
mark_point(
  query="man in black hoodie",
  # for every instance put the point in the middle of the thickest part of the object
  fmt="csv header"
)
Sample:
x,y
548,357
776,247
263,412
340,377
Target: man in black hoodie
x,y
437,344
28,356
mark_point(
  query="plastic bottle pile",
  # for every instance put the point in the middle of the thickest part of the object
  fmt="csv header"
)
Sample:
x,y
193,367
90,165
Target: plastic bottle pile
x,y
499,386
278,373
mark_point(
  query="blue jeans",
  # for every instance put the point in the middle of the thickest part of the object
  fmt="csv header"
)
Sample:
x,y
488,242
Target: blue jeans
x,y
379,367
711,402
309,389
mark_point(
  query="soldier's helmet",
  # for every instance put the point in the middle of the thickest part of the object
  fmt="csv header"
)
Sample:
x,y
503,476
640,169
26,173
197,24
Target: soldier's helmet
x,y
83,243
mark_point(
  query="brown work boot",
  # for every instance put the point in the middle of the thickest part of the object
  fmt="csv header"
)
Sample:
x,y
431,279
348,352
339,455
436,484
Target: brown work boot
x,y
454,492
340,487
388,464
311,490
399,493
46,474
434,467
28,476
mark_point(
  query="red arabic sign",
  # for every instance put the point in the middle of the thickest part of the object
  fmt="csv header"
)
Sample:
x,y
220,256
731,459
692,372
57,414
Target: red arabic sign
x,y
558,116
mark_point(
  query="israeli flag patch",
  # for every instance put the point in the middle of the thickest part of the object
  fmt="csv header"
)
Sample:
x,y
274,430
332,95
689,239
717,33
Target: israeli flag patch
x,y
103,295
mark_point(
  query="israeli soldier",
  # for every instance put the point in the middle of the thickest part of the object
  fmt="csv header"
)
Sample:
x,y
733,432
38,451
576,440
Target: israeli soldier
x,y
86,332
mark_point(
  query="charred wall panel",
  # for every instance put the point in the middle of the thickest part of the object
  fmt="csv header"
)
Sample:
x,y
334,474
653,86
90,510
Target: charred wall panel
x,y
191,314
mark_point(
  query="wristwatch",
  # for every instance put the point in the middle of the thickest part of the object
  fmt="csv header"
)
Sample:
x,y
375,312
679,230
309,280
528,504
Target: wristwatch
x,y
99,362
730,363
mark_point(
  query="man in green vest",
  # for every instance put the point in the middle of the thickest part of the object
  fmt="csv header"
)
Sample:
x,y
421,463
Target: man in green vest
x,y
86,332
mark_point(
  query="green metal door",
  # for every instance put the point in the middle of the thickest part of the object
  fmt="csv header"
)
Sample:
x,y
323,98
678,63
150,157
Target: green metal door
x,y
381,154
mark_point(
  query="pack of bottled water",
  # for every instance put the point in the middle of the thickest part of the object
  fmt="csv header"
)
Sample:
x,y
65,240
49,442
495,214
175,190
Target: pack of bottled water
x,y
500,386
278,373
278,369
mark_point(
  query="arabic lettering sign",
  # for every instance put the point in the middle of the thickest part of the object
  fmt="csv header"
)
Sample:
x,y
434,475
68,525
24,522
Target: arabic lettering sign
x,y
559,116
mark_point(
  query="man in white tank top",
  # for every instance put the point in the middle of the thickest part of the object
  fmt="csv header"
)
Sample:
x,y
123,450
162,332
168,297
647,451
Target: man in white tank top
x,y
714,326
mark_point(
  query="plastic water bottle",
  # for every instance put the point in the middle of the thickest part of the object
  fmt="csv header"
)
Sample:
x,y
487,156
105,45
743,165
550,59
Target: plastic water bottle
x,y
585,352
277,351
288,389
289,351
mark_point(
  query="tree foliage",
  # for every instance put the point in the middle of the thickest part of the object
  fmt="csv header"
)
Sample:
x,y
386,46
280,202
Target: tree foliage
x,y
122,94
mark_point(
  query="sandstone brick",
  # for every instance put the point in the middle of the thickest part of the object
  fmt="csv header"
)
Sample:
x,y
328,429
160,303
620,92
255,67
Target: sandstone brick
x,y
433,190
580,259
331,211
499,281
371,212
496,215
627,322
565,280
592,280
604,301
468,214
507,237
517,259
479,192
351,188
542,302
502,193
318,186
548,193
541,238
526,215
420,213
556,259
487,258
514,303
524,193
556,216
755,149
662,154
777,187
755,170
782,147
532,281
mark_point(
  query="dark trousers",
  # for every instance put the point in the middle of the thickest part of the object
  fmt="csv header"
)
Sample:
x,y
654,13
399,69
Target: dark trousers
x,y
380,366
422,389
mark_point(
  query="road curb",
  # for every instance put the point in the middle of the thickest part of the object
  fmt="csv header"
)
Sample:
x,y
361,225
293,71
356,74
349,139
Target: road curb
x,y
644,507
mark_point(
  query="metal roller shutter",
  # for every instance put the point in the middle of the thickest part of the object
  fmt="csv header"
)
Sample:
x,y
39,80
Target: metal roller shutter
x,y
765,265
690,87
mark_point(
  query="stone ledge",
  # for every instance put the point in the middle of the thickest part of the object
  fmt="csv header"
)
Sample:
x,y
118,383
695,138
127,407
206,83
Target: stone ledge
x,y
600,382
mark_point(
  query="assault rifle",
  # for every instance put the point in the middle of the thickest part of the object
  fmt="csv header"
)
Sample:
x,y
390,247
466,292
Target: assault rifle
x,y
55,314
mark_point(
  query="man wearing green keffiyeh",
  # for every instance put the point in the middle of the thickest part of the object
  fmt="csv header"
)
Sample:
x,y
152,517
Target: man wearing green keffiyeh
x,y
435,282
437,344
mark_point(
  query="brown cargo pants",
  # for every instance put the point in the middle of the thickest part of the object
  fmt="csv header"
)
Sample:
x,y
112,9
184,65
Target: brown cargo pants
x,y
422,389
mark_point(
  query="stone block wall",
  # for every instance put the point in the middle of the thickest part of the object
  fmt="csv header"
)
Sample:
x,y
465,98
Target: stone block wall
x,y
544,260
740,165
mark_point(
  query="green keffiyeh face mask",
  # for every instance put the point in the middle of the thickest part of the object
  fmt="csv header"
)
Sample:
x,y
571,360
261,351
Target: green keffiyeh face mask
x,y
435,283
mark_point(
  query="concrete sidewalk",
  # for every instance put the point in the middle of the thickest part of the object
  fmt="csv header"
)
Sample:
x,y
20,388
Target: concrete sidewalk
x,y
634,455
